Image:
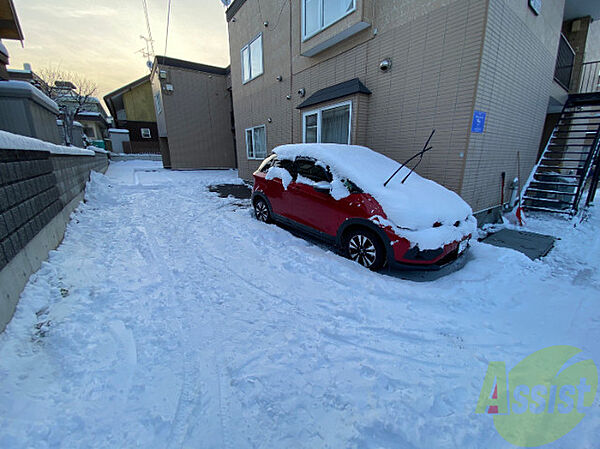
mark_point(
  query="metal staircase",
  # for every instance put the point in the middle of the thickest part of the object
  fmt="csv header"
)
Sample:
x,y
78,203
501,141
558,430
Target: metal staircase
x,y
569,164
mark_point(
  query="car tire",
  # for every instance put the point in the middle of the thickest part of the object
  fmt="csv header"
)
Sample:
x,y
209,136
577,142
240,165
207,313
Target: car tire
x,y
364,247
262,211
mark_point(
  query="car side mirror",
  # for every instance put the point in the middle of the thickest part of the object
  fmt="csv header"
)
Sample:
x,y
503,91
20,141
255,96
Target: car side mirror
x,y
322,187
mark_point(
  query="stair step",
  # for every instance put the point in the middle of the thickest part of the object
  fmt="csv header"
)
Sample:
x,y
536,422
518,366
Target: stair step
x,y
586,111
561,160
573,138
546,200
547,209
553,183
587,131
564,145
580,117
558,192
556,175
567,152
560,168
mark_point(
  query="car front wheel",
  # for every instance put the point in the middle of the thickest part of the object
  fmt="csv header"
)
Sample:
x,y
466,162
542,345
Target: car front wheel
x,y
261,211
364,247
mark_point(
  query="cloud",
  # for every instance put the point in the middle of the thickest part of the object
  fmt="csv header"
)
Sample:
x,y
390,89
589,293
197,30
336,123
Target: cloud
x,y
102,42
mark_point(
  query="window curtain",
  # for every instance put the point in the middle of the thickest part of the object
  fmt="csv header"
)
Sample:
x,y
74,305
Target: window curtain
x,y
260,142
335,125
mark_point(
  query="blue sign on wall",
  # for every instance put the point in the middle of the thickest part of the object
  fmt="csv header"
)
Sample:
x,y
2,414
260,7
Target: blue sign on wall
x,y
478,122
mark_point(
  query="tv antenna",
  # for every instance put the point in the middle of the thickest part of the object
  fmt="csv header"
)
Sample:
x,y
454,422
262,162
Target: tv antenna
x,y
147,52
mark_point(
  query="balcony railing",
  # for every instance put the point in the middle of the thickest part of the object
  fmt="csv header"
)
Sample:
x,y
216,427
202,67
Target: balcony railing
x,y
564,63
590,78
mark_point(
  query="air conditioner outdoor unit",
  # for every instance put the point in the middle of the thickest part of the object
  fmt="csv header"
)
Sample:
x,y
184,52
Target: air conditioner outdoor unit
x,y
163,74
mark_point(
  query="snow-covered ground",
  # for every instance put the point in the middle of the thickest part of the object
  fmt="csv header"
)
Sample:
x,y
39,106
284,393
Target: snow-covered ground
x,y
171,318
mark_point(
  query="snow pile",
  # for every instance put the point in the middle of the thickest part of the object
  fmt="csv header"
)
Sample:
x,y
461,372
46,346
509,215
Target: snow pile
x,y
281,173
10,141
38,94
413,206
171,318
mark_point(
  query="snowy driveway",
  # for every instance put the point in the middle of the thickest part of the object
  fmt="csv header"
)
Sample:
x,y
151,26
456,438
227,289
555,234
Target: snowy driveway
x,y
170,318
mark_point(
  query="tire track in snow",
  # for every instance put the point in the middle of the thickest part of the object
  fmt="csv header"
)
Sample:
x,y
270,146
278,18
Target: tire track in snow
x,y
195,395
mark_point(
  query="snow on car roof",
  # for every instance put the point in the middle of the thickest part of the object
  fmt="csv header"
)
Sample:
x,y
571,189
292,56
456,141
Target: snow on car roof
x,y
416,204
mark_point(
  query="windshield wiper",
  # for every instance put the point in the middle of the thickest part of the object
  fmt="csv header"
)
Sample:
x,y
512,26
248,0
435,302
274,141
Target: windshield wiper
x,y
420,154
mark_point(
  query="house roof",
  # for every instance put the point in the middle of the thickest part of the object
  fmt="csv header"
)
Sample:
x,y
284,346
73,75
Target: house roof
x,y
350,87
182,64
125,88
233,8
110,97
10,28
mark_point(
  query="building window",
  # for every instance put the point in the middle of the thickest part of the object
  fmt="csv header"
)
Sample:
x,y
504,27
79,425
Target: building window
x,y
319,14
252,59
90,132
256,142
157,103
146,134
331,124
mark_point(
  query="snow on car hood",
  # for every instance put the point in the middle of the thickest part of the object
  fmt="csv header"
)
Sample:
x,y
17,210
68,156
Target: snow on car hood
x,y
413,206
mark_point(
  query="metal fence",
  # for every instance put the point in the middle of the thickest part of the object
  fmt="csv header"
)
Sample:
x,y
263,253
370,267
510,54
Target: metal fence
x,y
564,63
590,77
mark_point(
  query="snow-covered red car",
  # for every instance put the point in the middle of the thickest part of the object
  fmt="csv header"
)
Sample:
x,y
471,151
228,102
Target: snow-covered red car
x,y
337,193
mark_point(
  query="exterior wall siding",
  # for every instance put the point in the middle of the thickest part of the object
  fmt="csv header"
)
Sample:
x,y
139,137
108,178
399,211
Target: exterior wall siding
x,y
196,119
432,45
138,104
446,61
514,85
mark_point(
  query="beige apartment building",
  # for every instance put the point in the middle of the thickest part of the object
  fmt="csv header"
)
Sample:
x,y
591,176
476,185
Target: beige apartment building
x,y
384,73
194,114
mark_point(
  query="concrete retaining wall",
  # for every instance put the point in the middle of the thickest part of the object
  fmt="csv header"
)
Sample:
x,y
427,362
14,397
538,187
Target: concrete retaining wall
x,y
38,191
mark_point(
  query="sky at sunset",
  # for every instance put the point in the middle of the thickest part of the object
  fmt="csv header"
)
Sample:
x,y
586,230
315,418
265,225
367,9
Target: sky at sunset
x,y
100,38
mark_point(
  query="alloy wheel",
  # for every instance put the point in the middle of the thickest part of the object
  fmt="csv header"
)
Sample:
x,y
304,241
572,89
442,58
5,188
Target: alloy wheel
x,y
262,211
362,250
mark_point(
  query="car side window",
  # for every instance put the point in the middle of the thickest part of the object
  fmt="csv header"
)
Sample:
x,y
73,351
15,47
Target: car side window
x,y
309,169
287,165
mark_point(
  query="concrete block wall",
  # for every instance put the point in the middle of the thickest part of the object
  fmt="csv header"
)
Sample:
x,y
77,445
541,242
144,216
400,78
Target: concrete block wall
x,y
38,191
29,199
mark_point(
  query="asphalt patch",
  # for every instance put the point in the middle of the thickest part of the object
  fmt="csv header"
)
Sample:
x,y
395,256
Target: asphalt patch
x,y
239,191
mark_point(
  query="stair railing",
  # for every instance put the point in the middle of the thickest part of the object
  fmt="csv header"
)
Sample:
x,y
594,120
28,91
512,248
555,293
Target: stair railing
x,y
530,179
586,170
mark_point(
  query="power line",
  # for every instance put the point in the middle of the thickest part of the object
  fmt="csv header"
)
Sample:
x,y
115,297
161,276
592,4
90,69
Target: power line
x,y
168,22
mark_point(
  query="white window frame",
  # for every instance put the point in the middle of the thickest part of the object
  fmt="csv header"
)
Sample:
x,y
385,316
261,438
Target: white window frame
x,y
149,136
324,26
255,158
319,112
262,59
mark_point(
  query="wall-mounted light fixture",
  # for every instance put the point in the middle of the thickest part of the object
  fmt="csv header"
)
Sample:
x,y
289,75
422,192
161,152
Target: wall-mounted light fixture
x,y
385,65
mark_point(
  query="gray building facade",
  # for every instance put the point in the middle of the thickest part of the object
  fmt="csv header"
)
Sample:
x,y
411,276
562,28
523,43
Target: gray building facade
x,y
193,114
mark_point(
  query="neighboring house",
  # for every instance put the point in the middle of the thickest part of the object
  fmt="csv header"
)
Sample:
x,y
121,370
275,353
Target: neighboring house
x,y
194,114
24,109
385,73
132,108
10,28
92,116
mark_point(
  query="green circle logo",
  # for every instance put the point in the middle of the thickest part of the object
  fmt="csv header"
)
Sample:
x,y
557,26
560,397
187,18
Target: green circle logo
x,y
542,398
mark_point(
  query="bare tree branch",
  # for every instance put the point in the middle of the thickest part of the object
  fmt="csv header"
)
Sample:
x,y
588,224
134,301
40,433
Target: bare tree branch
x,y
72,91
